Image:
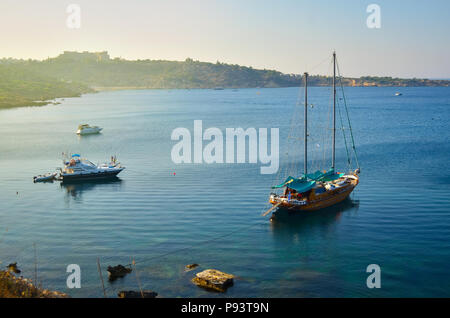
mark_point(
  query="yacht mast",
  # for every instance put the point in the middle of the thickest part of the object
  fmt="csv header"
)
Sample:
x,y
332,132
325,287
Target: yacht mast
x,y
306,123
333,155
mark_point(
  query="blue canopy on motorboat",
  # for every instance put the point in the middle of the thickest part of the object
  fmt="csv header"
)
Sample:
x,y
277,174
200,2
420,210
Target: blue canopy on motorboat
x,y
76,155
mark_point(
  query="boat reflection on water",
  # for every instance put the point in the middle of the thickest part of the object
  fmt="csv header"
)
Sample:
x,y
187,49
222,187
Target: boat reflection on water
x,y
75,189
88,138
286,221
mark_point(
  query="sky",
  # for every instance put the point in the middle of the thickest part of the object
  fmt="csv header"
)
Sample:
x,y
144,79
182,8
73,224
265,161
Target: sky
x,y
291,36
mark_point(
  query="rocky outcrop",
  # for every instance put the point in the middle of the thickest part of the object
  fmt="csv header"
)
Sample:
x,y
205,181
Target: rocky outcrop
x,y
214,280
115,272
13,268
190,267
19,287
137,294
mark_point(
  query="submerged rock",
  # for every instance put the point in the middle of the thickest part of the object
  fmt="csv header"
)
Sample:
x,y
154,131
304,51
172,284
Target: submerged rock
x,y
191,266
13,268
137,294
213,279
115,272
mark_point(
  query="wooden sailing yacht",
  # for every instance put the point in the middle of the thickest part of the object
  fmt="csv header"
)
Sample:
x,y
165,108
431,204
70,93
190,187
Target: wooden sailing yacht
x,y
321,189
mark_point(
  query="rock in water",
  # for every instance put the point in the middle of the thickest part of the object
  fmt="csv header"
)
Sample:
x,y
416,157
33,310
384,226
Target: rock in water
x,y
115,272
191,266
213,279
13,268
137,294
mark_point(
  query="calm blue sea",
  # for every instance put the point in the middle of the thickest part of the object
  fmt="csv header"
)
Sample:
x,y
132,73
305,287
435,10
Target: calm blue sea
x,y
166,215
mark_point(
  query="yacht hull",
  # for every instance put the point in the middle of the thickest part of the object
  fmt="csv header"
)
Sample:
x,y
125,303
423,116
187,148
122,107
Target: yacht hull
x,y
326,202
90,176
89,131
321,201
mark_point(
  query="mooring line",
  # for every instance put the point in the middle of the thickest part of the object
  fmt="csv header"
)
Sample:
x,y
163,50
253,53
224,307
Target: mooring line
x,y
146,260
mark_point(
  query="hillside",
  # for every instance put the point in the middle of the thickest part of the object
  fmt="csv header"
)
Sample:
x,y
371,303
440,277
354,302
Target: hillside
x,y
20,86
99,70
31,82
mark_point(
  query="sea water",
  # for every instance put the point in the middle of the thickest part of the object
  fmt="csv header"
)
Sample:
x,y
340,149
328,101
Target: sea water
x,y
164,215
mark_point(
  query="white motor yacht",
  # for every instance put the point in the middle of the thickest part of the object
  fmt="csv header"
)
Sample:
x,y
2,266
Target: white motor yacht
x,y
78,168
85,129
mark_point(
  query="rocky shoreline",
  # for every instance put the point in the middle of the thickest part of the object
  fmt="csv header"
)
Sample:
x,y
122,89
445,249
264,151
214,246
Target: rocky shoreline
x,y
12,286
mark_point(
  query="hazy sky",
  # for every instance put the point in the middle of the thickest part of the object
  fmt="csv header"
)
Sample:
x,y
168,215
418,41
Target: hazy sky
x,y
290,36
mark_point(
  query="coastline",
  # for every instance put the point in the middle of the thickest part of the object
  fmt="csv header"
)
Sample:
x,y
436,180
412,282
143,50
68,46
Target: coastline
x,y
53,101
12,286
37,82
96,89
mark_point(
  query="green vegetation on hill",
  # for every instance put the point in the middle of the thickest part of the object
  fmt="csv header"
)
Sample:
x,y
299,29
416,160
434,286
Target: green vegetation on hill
x,y
98,70
20,86
30,82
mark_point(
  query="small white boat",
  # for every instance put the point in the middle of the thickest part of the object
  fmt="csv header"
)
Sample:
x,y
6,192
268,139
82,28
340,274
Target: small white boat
x,y
45,177
85,129
398,94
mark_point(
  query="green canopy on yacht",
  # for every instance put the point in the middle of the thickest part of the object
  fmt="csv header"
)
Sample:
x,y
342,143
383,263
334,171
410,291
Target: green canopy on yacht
x,y
299,185
287,181
329,175
306,183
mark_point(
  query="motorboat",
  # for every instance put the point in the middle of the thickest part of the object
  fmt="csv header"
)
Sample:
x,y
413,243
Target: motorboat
x,y
45,177
78,168
85,129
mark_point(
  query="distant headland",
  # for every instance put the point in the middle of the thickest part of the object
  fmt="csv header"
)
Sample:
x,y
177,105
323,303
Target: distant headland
x,y
33,82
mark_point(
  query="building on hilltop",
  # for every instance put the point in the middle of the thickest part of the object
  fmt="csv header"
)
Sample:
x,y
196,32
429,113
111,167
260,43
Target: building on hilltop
x,y
78,56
